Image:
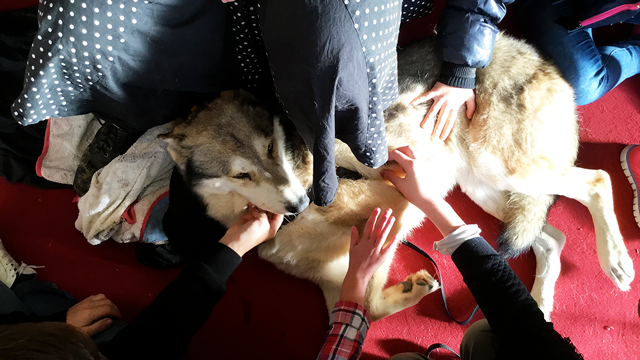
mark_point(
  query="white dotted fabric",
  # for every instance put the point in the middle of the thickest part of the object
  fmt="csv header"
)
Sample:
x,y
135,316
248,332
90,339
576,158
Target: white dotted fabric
x,y
249,48
412,9
76,41
377,24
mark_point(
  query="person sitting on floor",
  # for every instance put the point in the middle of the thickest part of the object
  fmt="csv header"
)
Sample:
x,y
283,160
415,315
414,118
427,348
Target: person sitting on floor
x,y
514,328
562,30
40,321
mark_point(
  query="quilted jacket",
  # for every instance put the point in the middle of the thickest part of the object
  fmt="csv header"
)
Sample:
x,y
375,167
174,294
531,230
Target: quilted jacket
x,y
466,32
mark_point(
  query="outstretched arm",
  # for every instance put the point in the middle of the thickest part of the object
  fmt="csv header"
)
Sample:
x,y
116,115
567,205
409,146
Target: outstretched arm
x,y
349,320
505,301
165,328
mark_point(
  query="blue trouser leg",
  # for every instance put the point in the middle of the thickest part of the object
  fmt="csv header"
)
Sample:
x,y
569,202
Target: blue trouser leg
x,y
43,298
591,70
9,302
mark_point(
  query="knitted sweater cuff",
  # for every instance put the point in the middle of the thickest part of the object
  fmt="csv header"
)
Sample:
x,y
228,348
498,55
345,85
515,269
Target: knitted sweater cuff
x,y
457,75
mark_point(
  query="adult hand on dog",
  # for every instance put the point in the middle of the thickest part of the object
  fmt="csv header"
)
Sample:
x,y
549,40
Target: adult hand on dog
x,y
92,315
366,254
252,229
446,102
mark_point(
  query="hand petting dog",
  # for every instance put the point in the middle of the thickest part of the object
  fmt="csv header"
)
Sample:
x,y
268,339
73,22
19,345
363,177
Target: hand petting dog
x,y
366,255
414,187
447,100
252,229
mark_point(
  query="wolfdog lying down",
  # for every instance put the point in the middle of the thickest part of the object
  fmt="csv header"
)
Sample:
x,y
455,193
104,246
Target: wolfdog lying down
x,y
512,158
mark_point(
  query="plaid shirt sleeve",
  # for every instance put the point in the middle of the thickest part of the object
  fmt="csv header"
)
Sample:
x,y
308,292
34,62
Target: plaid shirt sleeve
x,y
348,327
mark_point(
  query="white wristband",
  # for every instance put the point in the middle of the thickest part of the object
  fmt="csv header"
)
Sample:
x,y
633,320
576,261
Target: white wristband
x,y
450,243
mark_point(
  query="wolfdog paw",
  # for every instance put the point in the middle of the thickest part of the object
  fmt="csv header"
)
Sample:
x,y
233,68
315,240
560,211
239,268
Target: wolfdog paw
x,y
616,263
620,271
412,289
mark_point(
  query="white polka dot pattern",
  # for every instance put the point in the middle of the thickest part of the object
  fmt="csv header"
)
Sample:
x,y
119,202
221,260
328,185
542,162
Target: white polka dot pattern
x,y
377,25
412,9
249,50
68,55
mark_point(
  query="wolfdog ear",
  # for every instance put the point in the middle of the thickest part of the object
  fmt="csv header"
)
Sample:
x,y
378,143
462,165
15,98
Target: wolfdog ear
x,y
239,94
175,147
245,95
227,95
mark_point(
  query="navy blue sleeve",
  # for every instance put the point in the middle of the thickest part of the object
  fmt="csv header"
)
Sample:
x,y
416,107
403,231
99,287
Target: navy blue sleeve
x,y
466,33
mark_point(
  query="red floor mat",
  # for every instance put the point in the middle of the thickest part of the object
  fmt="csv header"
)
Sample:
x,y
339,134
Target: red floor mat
x,y
269,315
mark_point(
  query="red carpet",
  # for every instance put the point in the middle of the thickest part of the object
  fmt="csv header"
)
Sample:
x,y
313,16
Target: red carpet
x,y
269,315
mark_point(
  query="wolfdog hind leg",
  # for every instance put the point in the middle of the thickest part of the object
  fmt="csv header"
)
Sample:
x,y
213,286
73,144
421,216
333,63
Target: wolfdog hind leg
x,y
547,248
592,188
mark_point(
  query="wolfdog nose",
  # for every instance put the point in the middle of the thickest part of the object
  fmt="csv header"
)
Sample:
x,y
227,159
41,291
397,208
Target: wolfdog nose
x,y
299,206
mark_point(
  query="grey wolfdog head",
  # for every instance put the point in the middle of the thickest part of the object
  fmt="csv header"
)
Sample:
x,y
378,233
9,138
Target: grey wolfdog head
x,y
234,145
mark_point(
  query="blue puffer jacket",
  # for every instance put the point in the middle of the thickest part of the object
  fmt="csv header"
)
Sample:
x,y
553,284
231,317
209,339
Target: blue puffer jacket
x,y
466,32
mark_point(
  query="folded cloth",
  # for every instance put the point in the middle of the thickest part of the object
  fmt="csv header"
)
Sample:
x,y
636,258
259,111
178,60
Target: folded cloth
x,y
125,200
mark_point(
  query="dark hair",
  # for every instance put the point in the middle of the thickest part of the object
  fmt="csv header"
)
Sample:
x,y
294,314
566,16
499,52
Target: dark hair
x,y
46,341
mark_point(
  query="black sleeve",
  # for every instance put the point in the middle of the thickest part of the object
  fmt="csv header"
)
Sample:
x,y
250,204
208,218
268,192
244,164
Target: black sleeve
x,y
503,298
165,328
512,313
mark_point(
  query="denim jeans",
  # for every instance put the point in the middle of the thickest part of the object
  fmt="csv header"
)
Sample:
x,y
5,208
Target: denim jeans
x,y
591,70
34,297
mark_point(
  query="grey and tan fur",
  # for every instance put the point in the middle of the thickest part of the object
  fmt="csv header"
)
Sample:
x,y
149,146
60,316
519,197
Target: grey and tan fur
x,y
512,158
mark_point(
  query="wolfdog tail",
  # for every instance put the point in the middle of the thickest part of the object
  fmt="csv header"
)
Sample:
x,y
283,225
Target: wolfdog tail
x,y
524,218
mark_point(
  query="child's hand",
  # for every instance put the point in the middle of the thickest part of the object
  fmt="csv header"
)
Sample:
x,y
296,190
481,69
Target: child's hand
x,y
93,314
447,101
412,185
251,230
415,189
366,255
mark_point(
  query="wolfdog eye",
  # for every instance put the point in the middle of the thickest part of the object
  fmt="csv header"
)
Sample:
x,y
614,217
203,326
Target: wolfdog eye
x,y
242,176
270,149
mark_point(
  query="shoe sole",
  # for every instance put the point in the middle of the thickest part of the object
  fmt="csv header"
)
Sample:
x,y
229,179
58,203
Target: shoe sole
x,y
624,162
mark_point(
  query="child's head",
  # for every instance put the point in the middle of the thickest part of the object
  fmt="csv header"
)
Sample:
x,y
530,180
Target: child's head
x,y
46,341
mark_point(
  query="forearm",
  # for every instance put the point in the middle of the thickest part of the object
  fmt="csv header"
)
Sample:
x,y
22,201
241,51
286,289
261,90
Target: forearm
x,y
441,214
353,289
349,324
502,297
